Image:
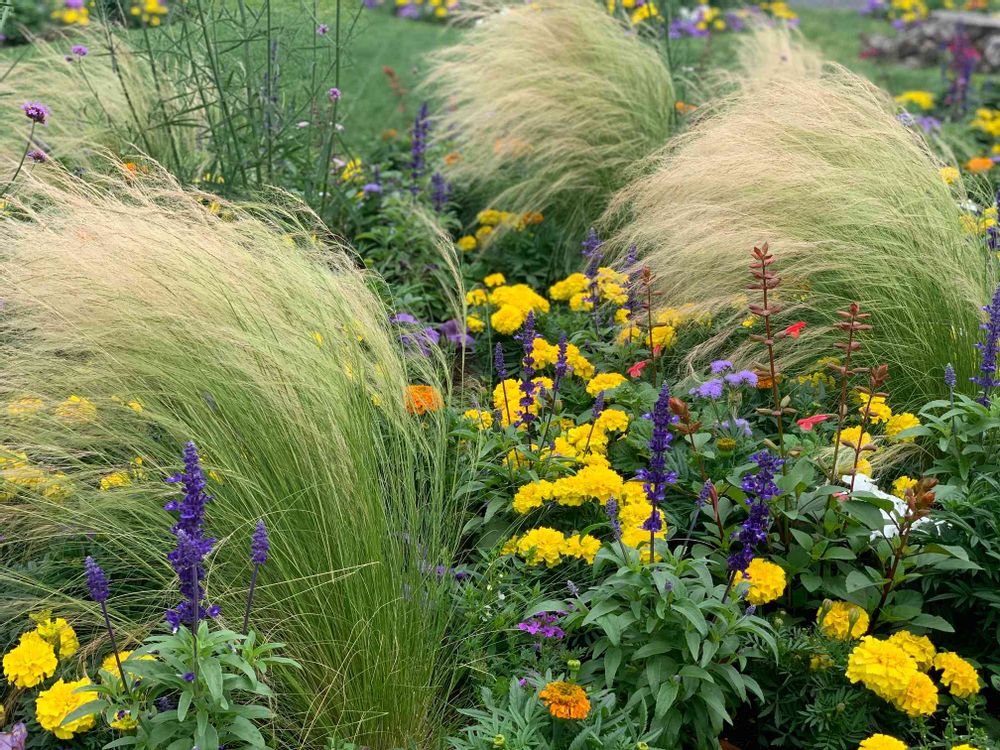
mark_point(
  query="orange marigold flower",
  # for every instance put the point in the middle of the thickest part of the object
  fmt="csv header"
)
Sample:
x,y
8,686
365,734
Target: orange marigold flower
x,y
979,164
565,700
421,399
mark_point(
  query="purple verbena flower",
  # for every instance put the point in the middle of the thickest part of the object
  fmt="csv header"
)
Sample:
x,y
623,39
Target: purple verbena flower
x,y
401,318
322,29
334,94
36,112
37,156
15,738
79,50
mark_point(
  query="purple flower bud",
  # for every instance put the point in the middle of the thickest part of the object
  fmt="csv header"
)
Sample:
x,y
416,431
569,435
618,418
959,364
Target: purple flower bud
x,y
37,156
188,677
334,94
79,50
322,29
259,544
97,581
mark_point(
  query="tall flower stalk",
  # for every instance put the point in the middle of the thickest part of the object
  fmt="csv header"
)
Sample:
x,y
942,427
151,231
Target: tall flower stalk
x,y
260,545
528,385
851,321
97,583
760,490
766,281
988,349
655,477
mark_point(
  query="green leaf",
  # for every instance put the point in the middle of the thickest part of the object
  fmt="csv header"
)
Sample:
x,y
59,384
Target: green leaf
x,y
689,610
246,731
212,674
868,514
857,580
666,696
933,622
612,660
810,582
183,704
88,708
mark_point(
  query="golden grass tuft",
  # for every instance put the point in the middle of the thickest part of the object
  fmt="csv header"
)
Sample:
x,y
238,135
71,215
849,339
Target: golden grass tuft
x,y
813,160
550,105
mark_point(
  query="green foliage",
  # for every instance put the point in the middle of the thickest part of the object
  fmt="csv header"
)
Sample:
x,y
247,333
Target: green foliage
x,y
672,641
221,705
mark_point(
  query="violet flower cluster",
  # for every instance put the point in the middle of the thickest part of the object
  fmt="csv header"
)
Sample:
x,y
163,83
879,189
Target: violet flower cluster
x,y
440,192
714,388
528,385
542,624
424,338
418,146
760,489
988,351
187,558
656,477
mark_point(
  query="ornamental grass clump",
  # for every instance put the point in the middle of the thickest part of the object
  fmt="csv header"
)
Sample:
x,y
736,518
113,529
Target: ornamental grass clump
x,y
549,106
103,97
815,162
137,319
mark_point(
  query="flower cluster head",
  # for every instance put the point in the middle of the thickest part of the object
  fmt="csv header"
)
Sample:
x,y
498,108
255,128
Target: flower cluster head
x,y
565,700
259,544
418,145
543,625
988,349
528,386
882,742
882,667
655,477
30,662
59,701
842,621
549,546
760,490
58,633
422,399
767,580
187,558
957,674
15,739
97,581
917,647
36,112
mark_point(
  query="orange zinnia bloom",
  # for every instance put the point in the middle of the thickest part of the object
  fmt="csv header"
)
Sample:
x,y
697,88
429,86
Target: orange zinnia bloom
x,y
421,399
979,164
565,700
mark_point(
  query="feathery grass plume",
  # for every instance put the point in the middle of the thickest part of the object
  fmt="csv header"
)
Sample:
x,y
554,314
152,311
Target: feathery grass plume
x,y
549,106
108,99
136,319
851,201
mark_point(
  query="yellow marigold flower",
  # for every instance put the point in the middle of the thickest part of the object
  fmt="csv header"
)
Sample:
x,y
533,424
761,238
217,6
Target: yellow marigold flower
x,y
662,337
963,746
508,319
476,297
882,742
920,697
901,485
520,296
474,323
622,315
853,437
32,660
489,217
565,700
60,635
109,665
898,423
767,581
58,702
950,175
546,354
878,410
25,407
605,381
480,417
467,243
483,234
494,279
748,321
630,335
531,496
583,546
882,667
820,661
612,420
541,545
115,479
563,291
922,99
836,623
917,647
76,410
957,674
581,302
507,400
